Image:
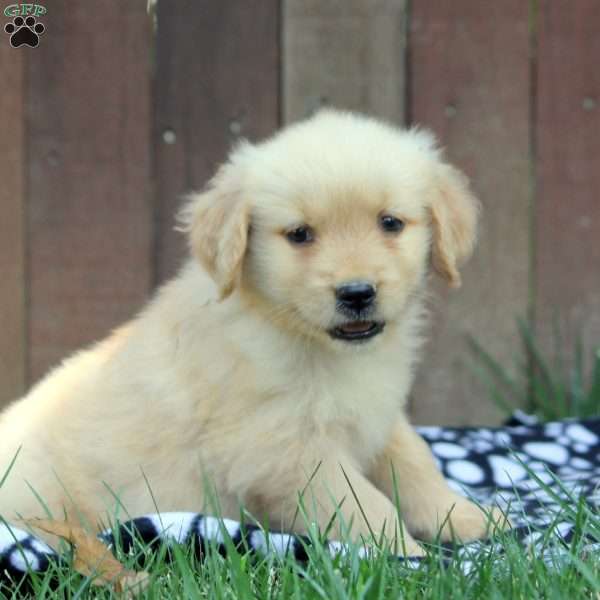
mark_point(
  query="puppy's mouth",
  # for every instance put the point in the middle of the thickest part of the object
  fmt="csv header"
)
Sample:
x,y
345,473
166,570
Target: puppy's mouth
x,y
357,331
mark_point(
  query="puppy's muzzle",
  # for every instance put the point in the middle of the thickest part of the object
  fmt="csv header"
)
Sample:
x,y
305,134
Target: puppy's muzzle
x,y
356,301
355,296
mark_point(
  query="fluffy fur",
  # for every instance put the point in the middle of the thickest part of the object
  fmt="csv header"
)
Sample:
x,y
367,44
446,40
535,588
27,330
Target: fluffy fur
x,y
229,380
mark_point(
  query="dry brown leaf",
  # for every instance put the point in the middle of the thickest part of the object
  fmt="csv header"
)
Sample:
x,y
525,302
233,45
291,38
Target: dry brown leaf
x,y
92,558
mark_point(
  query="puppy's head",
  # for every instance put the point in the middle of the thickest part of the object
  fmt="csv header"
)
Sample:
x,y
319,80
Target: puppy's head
x,y
331,225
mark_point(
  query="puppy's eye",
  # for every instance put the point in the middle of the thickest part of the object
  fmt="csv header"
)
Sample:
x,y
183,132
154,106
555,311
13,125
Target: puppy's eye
x,y
301,235
391,224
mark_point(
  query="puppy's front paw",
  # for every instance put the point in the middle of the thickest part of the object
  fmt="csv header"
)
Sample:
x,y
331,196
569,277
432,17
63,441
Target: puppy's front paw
x,y
396,535
405,545
466,521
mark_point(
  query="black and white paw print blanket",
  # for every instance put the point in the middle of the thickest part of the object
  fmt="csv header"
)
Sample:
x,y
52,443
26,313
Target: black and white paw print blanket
x,y
527,468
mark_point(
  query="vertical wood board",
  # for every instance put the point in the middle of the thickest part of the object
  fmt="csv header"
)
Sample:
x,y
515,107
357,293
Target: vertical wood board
x,y
89,217
469,83
344,53
12,206
567,225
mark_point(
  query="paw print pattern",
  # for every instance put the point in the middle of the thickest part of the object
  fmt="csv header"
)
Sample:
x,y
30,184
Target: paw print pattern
x,y
24,32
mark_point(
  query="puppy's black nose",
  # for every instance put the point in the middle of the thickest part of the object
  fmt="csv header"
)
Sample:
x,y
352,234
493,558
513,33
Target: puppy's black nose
x,y
355,295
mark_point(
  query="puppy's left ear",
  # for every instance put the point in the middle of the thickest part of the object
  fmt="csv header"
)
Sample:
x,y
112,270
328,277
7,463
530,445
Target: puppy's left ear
x,y
217,223
454,213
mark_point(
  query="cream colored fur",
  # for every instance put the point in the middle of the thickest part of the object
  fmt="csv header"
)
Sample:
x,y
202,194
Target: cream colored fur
x,y
228,380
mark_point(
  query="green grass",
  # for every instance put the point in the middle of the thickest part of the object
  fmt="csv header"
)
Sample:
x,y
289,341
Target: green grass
x,y
516,575
506,570
567,385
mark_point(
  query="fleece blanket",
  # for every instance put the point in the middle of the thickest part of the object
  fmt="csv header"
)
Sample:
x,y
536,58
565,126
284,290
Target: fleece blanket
x,y
527,468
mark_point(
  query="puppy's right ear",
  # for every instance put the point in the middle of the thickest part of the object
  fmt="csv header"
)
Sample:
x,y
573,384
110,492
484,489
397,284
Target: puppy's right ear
x,y
217,222
454,212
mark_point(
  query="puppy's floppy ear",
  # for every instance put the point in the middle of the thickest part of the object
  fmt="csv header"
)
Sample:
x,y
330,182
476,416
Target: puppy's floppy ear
x,y
217,223
454,213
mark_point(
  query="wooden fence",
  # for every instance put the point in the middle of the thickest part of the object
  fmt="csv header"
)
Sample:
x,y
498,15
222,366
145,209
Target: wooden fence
x,y
119,111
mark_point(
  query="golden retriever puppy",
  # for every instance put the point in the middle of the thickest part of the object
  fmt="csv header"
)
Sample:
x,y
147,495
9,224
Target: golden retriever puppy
x,y
278,361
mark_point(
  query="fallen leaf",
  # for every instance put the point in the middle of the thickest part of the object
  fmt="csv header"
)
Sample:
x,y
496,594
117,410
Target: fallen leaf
x,y
92,558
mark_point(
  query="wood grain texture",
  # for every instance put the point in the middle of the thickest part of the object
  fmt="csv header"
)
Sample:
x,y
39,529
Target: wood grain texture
x,y
89,214
470,84
345,53
217,79
567,225
12,206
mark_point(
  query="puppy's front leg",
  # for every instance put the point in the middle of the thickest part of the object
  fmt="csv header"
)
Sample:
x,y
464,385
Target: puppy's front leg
x,y
339,486
427,503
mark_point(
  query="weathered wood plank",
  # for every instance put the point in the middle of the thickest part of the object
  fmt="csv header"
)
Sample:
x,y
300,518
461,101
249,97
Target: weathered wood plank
x,y
217,79
89,217
469,83
345,53
567,224
12,205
